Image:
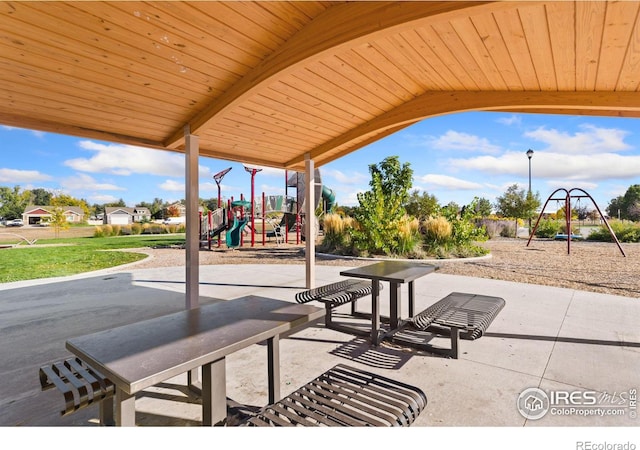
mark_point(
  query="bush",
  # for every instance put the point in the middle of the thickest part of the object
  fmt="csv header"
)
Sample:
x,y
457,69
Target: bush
x,y
338,234
625,232
108,230
437,230
547,228
508,230
408,235
153,228
98,232
136,228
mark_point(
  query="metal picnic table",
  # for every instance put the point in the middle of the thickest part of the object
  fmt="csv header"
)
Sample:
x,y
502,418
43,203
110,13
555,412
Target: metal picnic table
x,y
142,354
396,273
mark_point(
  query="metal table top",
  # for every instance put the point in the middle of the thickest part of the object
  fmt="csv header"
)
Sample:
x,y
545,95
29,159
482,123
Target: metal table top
x,y
392,271
142,354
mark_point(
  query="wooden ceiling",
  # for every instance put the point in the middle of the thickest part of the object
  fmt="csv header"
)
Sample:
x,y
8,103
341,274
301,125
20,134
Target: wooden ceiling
x,y
268,82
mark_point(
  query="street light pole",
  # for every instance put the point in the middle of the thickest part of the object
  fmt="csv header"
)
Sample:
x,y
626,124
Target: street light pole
x,y
529,155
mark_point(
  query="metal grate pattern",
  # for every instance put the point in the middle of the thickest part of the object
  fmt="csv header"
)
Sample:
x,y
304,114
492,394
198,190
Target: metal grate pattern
x,y
337,293
346,396
470,312
79,383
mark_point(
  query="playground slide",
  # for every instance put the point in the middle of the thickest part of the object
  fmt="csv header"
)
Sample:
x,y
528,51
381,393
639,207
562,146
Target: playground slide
x,y
235,232
328,196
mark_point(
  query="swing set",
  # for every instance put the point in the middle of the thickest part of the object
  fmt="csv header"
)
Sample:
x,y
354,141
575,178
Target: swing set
x,y
568,195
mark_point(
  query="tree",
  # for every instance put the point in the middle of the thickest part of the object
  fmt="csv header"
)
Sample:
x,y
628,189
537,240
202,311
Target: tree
x,y
483,207
614,209
67,200
173,211
119,204
518,204
382,209
40,197
13,202
59,220
631,203
422,205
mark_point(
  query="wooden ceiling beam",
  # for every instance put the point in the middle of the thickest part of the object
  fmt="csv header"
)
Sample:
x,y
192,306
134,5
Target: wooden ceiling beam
x,y
431,104
344,25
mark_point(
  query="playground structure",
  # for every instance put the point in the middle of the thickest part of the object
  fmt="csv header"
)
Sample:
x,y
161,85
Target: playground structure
x,y
567,199
277,215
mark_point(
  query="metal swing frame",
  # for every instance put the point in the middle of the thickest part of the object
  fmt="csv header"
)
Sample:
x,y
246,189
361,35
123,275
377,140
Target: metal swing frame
x,y
567,199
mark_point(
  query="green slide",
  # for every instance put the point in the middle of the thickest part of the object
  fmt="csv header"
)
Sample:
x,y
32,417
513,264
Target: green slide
x,y
235,232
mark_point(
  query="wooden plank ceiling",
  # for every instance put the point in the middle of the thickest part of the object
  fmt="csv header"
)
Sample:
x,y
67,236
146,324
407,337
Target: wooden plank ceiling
x,y
268,82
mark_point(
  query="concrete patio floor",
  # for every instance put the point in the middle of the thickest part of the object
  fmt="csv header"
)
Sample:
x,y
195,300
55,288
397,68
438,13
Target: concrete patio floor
x,y
558,340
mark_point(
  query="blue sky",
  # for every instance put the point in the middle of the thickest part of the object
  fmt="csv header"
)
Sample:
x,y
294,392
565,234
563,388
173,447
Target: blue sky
x,y
454,157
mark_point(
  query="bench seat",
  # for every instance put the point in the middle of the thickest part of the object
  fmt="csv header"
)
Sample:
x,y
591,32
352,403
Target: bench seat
x,y
337,294
464,315
81,386
346,396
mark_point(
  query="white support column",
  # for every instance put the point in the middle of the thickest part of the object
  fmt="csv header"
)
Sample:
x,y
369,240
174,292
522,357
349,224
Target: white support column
x,y
192,263
310,222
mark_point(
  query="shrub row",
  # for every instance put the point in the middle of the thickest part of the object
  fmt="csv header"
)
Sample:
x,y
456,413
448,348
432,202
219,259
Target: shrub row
x,y
137,228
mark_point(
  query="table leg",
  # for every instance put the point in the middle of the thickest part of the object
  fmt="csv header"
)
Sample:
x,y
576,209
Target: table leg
x,y
273,363
394,306
412,300
214,393
375,311
125,406
106,412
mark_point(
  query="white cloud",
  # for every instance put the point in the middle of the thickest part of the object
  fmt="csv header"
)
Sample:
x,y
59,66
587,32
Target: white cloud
x,y
591,140
511,120
436,181
125,160
83,182
342,178
13,176
555,165
350,199
457,141
102,198
268,190
36,133
562,184
266,171
172,186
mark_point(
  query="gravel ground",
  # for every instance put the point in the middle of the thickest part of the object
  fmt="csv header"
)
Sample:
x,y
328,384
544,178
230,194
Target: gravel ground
x,y
590,266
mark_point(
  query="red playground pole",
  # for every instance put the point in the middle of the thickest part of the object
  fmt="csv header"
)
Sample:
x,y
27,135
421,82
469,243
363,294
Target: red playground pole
x,y
252,171
264,232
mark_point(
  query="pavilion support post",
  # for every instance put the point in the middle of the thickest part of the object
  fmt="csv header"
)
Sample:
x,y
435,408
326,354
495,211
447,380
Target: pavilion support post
x,y
310,223
192,237
192,263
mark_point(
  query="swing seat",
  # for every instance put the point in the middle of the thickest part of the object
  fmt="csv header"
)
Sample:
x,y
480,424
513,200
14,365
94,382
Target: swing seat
x,y
564,237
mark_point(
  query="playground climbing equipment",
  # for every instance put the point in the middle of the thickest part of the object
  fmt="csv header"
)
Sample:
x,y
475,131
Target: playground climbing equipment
x,y
568,195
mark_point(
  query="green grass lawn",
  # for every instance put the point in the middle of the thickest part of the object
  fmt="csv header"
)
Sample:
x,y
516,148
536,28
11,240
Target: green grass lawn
x,y
74,255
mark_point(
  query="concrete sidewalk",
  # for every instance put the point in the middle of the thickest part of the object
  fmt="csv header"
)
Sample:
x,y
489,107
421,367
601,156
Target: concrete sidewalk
x,y
558,340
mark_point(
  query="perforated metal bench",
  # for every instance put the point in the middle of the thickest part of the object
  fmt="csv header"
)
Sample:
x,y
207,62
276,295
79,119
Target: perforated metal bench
x,y
464,315
81,386
337,294
346,396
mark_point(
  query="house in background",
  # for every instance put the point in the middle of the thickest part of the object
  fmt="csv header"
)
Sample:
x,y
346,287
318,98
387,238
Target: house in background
x,y
122,215
141,214
38,214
